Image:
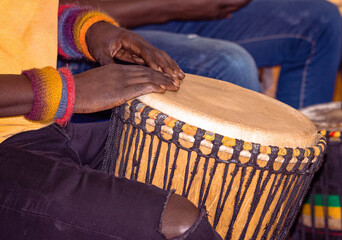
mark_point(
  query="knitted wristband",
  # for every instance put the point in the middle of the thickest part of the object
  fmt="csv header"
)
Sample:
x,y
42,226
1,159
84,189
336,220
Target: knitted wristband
x,y
66,76
53,94
73,24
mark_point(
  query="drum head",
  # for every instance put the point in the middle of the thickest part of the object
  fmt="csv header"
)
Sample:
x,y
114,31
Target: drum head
x,y
326,116
235,112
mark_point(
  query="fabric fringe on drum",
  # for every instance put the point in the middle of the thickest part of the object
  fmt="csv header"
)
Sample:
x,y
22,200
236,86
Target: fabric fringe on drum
x,y
278,188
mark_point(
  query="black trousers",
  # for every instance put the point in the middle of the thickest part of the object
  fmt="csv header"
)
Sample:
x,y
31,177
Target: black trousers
x,y
50,189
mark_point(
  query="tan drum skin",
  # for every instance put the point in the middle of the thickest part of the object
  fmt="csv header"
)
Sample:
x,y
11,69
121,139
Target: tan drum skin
x,y
235,112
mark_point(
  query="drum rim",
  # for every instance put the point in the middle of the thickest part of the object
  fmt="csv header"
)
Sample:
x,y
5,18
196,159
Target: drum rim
x,y
228,142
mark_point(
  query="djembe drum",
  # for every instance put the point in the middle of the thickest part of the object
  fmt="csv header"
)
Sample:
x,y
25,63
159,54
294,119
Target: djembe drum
x,y
248,158
320,217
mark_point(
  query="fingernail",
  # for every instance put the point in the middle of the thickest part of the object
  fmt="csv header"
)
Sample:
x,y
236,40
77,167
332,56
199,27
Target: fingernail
x,y
163,87
177,74
176,83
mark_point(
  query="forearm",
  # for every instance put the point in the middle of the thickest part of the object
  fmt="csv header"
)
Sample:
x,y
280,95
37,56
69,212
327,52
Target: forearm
x,y
16,96
134,13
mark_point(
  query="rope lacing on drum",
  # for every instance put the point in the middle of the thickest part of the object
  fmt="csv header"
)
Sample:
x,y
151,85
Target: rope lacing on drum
x,y
230,142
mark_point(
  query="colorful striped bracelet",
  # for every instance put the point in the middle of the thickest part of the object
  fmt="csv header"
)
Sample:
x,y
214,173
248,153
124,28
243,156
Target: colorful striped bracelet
x,y
53,94
73,24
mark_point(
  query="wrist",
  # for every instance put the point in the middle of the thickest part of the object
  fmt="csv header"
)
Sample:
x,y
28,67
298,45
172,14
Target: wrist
x,y
95,30
78,101
53,94
73,24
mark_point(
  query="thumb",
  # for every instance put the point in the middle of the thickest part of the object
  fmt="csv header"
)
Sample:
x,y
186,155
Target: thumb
x,y
107,55
105,59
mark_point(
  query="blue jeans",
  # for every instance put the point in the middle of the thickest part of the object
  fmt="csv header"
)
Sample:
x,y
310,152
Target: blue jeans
x,y
303,36
201,56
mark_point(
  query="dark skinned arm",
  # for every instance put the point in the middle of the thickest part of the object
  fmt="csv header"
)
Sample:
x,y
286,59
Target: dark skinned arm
x,y
134,13
16,95
119,83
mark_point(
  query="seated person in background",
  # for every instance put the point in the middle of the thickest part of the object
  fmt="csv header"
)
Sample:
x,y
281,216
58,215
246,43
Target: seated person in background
x,y
201,56
301,36
46,192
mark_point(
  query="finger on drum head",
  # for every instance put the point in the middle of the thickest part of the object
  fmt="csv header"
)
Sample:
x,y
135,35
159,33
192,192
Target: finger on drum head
x,y
139,89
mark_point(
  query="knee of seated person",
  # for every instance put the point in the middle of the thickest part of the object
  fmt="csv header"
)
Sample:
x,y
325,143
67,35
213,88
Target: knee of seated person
x,y
239,68
324,18
179,215
330,17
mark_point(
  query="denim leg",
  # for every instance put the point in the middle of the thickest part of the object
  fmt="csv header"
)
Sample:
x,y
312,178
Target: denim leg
x,y
207,57
303,36
201,56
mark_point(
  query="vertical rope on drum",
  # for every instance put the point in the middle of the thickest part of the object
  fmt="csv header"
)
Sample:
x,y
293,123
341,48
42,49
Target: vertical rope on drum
x,y
283,226
142,125
270,197
237,202
157,131
288,222
302,183
282,198
196,148
155,161
109,145
300,198
307,181
217,142
260,190
149,158
134,159
253,161
219,207
235,158
117,136
186,173
140,154
290,206
122,162
212,174
205,170
130,121
175,136
230,229
193,174
166,173
108,156
124,169
272,158
287,185
294,191
135,133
